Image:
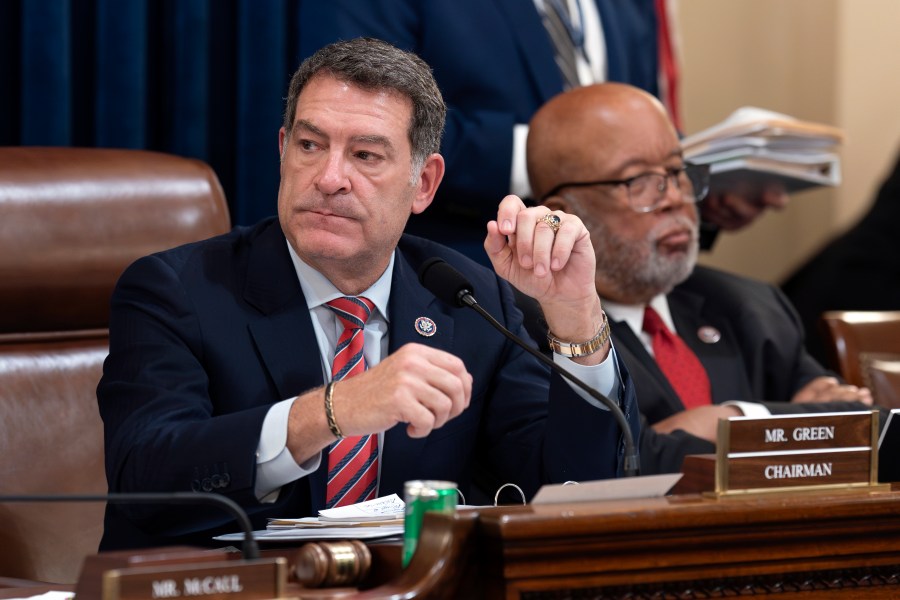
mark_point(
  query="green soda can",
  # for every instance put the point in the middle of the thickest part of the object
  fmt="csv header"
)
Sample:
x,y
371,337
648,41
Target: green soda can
x,y
421,497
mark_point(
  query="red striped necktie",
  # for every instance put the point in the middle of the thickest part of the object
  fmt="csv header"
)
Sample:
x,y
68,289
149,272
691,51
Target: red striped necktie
x,y
352,461
677,362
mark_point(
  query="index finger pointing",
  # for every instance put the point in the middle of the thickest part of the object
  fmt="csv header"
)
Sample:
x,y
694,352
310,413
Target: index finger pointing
x,y
509,208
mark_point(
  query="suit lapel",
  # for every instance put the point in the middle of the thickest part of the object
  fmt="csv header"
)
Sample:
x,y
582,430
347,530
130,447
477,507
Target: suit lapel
x,y
721,359
534,45
409,301
639,361
284,333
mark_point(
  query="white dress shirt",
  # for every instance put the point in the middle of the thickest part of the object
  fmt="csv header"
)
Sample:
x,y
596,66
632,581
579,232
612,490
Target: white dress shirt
x,y
275,464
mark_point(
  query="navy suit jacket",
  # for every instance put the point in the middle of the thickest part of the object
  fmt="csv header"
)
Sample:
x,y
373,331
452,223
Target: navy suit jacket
x,y
204,338
494,63
760,357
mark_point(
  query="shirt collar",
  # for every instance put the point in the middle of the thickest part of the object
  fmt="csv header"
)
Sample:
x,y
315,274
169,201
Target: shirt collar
x,y
633,314
318,290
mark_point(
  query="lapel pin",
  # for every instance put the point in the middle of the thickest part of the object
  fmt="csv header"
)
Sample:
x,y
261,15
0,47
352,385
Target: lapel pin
x,y
425,327
709,334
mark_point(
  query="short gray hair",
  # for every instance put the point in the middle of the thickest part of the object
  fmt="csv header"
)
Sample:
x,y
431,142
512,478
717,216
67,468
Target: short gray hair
x,y
373,64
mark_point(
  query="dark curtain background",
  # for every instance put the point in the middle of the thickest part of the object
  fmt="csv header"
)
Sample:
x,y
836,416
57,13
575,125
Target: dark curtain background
x,y
198,78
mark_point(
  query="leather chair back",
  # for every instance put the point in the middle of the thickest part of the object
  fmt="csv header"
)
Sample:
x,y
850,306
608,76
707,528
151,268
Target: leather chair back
x,y
71,220
882,376
852,334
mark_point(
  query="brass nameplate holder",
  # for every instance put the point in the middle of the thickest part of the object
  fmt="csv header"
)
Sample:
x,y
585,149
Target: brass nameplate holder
x,y
234,579
797,453
788,453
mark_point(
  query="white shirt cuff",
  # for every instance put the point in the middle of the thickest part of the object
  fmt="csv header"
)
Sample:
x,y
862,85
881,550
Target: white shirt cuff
x,y
750,409
275,465
518,183
604,377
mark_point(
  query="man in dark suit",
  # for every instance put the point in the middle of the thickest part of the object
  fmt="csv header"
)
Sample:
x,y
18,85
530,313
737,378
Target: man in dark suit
x,y
219,350
495,64
693,338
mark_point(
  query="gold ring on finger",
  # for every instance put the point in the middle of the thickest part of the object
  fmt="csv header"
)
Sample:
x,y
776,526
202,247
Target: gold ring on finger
x,y
552,221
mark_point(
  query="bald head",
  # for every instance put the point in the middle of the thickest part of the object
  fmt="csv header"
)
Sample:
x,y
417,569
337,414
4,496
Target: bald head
x,y
614,133
590,132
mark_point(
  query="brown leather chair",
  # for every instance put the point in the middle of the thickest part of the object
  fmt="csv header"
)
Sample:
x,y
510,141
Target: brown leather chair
x,y
71,220
882,376
851,334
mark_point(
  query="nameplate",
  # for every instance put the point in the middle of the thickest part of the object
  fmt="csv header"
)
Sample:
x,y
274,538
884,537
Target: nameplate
x,y
787,452
245,580
799,433
797,451
799,469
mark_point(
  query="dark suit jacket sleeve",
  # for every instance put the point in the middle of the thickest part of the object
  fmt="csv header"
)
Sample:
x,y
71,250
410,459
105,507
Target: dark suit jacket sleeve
x,y
162,433
778,366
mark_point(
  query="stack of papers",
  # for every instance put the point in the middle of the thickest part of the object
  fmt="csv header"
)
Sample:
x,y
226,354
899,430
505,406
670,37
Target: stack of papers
x,y
380,518
387,510
301,534
756,145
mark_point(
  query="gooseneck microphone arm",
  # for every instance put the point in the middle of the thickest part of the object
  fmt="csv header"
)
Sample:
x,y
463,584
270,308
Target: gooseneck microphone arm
x,y
450,286
249,550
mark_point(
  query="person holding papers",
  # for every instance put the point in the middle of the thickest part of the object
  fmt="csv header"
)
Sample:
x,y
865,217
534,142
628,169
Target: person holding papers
x,y
693,338
299,364
497,62
755,157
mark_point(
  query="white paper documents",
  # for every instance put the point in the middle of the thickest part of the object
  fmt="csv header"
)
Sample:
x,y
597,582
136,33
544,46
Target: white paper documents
x,y
757,145
374,519
294,534
372,510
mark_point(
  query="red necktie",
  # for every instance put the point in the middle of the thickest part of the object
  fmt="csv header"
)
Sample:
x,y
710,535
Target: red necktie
x,y
352,461
678,362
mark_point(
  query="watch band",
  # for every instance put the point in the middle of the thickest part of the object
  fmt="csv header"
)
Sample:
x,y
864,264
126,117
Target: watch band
x,y
574,350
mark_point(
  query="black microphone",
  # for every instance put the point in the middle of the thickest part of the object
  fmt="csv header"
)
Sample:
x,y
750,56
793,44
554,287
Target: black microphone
x,y
451,287
249,549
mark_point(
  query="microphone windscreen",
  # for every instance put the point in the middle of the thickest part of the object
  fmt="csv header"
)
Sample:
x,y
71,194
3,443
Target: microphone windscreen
x,y
445,282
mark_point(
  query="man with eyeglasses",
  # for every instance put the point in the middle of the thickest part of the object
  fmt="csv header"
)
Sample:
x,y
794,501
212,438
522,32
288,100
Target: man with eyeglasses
x,y
700,343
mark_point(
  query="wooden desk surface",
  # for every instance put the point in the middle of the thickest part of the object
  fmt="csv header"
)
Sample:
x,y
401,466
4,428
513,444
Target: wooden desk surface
x,y
807,545
790,546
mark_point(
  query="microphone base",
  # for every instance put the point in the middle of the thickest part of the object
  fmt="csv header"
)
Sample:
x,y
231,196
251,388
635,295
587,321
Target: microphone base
x,y
631,465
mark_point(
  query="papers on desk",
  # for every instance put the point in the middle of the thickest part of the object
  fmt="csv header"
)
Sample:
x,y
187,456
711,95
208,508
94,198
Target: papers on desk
x,y
382,518
374,519
53,595
386,507
754,144
387,510
303,534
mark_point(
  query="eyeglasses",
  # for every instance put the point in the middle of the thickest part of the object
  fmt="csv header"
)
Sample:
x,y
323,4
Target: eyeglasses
x,y
647,191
